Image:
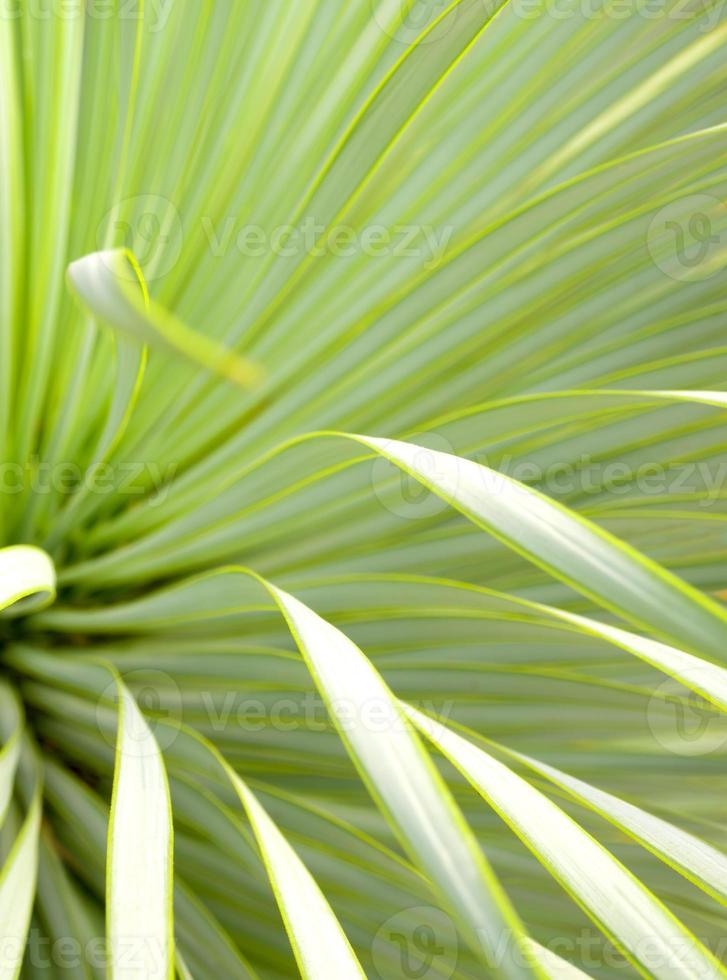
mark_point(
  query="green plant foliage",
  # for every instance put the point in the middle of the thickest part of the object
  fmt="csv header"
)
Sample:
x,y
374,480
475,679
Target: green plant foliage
x,y
363,489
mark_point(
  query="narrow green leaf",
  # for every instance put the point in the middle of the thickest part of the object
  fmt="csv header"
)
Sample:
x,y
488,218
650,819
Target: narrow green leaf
x,y
17,890
204,940
111,285
62,911
647,932
319,943
403,780
555,966
139,869
13,225
139,874
696,673
182,968
11,725
592,561
698,861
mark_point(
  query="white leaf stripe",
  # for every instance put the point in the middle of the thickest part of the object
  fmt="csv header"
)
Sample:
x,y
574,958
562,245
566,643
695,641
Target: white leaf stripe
x,y
606,570
701,863
27,580
182,968
195,598
696,673
555,966
17,890
692,671
403,130
321,948
139,877
165,542
404,782
138,826
649,935
319,943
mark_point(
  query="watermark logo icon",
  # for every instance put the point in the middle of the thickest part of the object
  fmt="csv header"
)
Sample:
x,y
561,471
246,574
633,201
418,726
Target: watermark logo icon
x,y
684,722
406,22
150,226
404,495
418,943
687,239
159,699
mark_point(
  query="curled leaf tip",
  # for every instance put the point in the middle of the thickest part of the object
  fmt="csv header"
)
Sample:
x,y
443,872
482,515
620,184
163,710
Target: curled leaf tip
x,y
111,285
27,580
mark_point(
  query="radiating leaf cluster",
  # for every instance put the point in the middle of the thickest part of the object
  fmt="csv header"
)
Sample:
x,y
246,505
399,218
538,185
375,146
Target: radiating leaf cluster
x,y
363,508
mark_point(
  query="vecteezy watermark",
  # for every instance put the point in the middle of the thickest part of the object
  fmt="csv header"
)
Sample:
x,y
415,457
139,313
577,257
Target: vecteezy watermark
x,y
410,497
687,238
705,11
150,226
310,713
220,711
67,478
427,21
407,21
154,13
406,496
706,479
159,698
684,722
144,954
418,943
313,238
590,950
422,942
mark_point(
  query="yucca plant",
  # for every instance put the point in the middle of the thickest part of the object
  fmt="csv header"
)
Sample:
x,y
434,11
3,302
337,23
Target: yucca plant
x,y
363,488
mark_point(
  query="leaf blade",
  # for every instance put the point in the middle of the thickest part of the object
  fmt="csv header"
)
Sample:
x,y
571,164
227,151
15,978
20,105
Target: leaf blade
x,y
139,882
17,890
649,935
573,549
320,945
110,284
